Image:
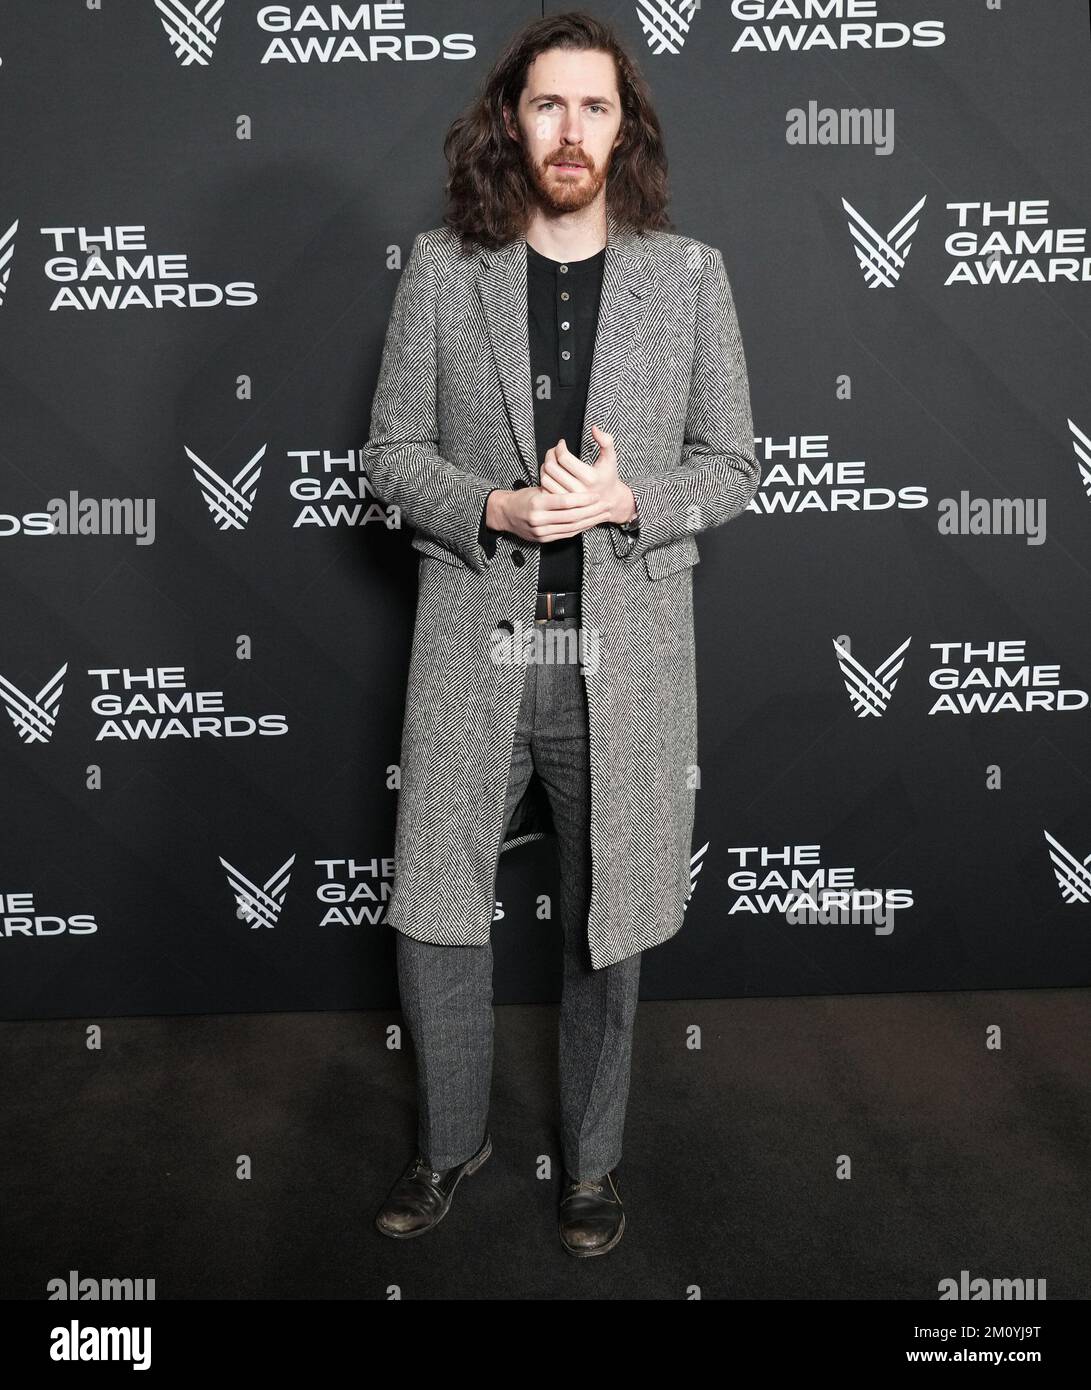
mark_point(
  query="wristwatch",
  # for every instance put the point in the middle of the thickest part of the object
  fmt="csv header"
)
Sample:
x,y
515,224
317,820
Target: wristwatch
x,y
630,528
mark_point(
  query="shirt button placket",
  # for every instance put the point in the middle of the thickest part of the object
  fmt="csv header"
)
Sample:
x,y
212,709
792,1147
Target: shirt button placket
x,y
566,352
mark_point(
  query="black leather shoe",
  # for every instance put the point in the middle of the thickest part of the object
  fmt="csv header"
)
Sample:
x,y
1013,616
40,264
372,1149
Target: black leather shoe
x,y
421,1197
592,1218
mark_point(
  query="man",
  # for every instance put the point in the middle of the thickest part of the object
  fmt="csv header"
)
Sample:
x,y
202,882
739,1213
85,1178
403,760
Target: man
x,y
562,404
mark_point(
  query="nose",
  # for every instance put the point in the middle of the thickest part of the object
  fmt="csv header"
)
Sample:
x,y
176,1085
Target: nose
x,y
573,127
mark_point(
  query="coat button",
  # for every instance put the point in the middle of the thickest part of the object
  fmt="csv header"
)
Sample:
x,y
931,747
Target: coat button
x,y
518,558
504,626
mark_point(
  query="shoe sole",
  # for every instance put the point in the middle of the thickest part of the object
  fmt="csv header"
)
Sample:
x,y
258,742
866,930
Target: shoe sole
x,y
598,1249
472,1165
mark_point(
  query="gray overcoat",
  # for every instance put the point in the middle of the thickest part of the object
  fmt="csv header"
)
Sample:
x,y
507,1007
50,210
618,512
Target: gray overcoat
x,y
452,418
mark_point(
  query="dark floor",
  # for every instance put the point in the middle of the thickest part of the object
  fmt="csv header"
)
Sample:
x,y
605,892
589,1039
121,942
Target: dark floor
x,y
124,1162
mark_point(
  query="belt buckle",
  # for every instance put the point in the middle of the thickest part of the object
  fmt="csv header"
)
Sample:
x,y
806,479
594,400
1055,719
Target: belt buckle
x,y
552,612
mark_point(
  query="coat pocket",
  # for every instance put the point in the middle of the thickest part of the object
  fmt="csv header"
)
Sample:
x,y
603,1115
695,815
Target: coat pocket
x,y
670,558
427,546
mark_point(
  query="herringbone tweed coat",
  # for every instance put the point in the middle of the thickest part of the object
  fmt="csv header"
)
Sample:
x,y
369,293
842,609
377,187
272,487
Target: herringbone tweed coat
x,y
453,417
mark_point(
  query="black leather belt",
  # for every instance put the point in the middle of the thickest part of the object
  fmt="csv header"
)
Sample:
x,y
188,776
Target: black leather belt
x,y
555,603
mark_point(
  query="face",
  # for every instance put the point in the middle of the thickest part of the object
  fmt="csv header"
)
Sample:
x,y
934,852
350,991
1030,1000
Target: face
x,y
568,125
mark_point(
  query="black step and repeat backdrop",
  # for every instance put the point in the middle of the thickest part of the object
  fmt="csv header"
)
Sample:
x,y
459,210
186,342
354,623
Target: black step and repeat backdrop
x,y
204,210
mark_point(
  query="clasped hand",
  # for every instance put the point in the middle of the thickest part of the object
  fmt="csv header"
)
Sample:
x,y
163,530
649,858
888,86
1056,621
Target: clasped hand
x,y
573,496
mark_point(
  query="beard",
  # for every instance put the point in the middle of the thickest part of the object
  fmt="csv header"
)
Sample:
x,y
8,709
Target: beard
x,y
560,192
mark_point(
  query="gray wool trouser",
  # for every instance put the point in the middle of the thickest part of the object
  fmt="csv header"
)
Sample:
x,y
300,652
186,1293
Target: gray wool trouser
x,y
446,991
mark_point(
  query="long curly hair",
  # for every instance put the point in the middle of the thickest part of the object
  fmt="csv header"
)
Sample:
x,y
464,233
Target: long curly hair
x,y
489,197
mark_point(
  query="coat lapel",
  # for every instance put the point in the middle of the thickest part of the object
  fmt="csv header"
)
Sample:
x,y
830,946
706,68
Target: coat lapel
x,y
502,287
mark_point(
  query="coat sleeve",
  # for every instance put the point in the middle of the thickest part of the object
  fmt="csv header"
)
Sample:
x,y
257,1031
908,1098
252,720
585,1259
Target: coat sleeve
x,y
401,458
718,472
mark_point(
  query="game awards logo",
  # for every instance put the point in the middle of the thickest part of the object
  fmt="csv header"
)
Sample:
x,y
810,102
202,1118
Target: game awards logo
x,y
666,25
192,28
882,255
